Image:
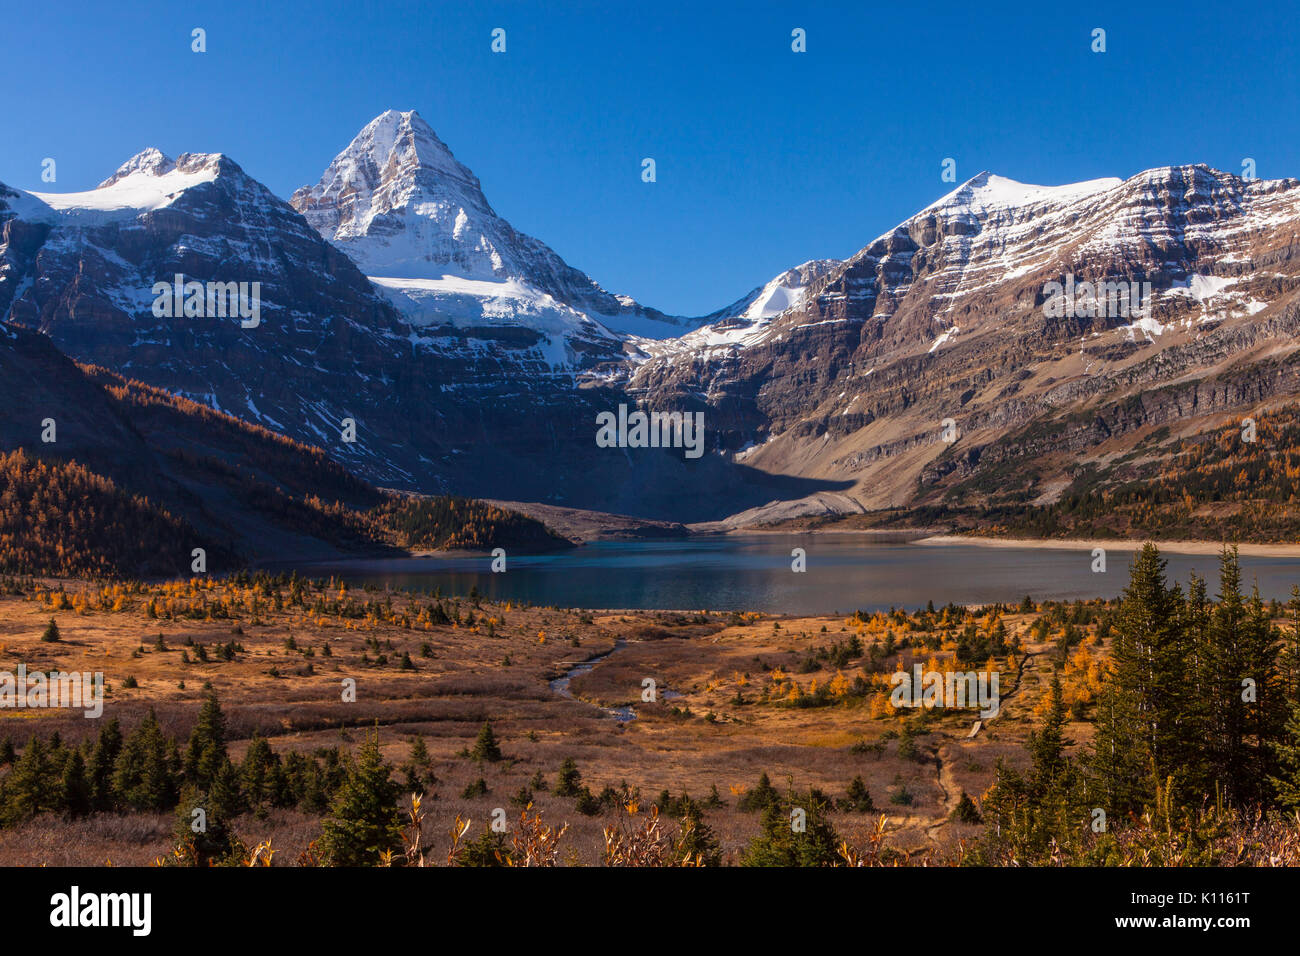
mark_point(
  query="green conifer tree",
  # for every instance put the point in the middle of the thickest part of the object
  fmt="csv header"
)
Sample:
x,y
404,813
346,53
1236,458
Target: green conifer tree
x,y
206,753
75,785
142,778
569,782
99,769
813,842
1141,716
486,746
26,790
363,821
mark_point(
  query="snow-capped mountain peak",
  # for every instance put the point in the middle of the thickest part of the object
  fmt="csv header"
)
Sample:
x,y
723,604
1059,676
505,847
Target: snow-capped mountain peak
x,y
402,207
399,203
748,320
150,161
405,138
146,182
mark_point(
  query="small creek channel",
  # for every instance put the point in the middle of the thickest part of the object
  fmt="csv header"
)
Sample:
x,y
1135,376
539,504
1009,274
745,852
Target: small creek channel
x,y
560,685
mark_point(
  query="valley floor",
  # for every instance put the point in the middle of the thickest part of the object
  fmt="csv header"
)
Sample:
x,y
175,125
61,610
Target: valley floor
x,y
736,697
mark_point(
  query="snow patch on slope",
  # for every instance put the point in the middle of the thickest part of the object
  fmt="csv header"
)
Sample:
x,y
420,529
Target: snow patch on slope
x,y
988,191
947,336
146,182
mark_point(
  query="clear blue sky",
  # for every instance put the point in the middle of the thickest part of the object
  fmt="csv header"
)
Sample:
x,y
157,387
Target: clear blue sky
x,y
765,157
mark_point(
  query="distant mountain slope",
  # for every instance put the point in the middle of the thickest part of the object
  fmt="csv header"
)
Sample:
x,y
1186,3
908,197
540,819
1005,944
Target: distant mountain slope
x,y
82,268
329,347
60,518
1215,484
748,320
135,479
240,491
953,315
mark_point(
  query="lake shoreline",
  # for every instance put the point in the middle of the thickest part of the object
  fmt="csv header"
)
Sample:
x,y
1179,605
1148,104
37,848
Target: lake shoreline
x,y
1251,549
937,539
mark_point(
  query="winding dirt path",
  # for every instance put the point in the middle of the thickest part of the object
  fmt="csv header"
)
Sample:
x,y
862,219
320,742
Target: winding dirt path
x,y
947,782
945,778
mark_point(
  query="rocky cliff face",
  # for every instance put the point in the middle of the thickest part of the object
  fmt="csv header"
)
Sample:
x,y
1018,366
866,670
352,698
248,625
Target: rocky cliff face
x,y
953,315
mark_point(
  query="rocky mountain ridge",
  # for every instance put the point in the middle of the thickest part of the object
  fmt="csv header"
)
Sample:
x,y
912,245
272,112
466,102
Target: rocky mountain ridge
x,y
471,358
955,315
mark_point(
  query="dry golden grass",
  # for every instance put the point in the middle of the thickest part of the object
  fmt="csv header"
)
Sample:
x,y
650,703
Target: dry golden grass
x,y
467,677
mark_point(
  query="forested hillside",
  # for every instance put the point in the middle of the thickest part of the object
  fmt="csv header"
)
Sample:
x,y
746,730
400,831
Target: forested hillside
x,y
1237,482
109,476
